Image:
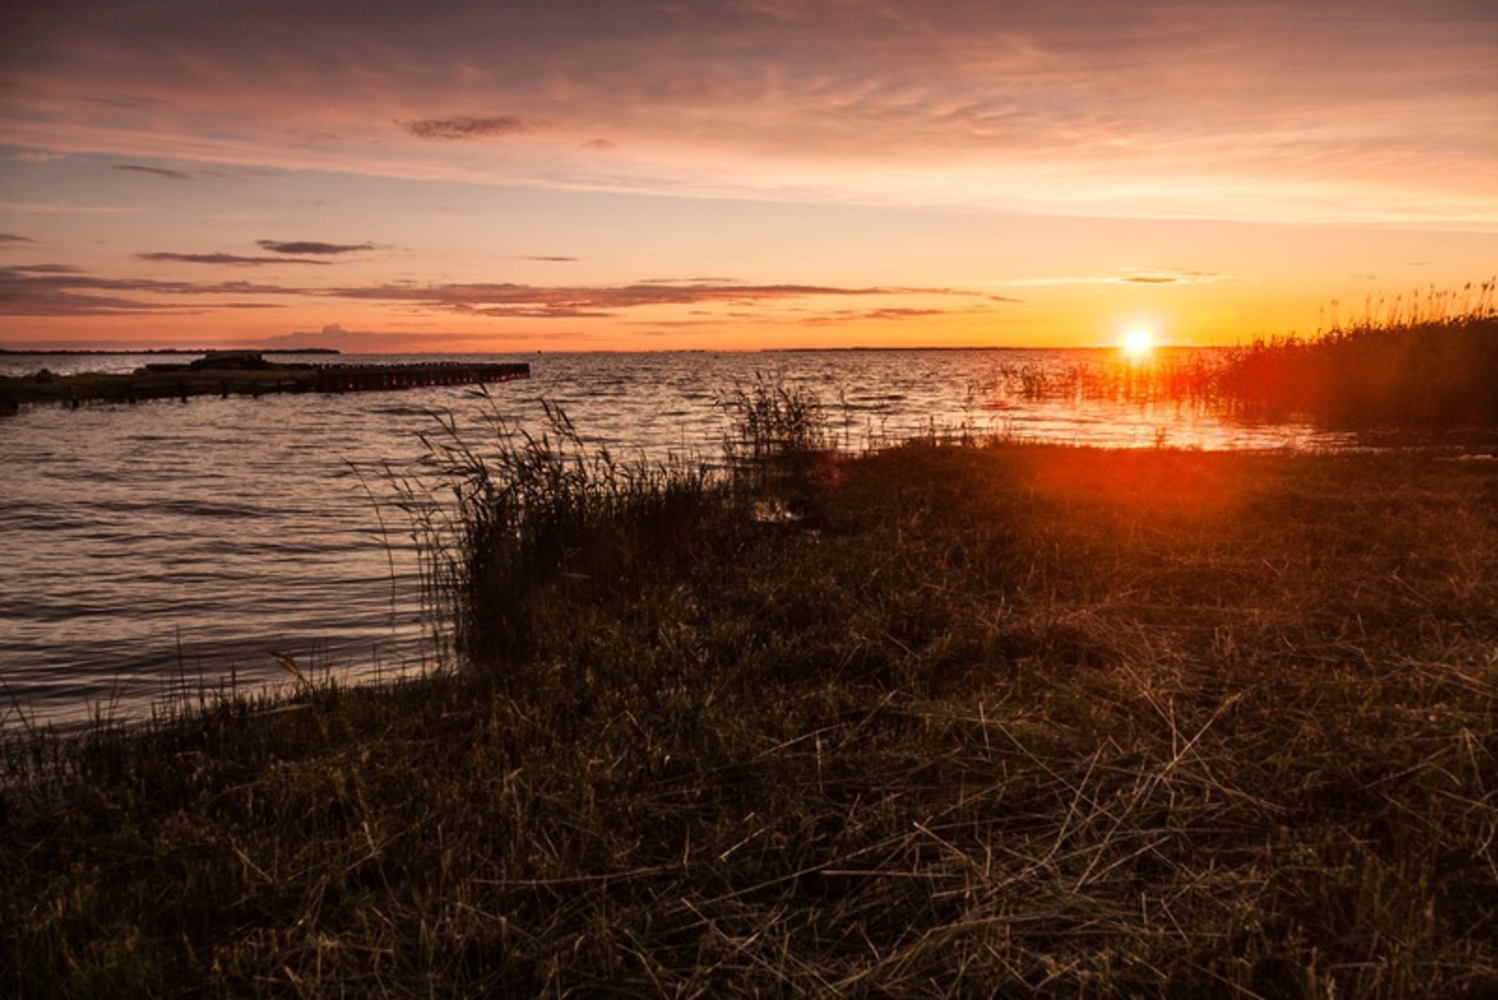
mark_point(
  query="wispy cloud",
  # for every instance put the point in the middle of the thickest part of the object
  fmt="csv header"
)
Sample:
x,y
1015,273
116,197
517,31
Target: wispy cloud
x,y
7,238
284,249
334,335
574,302
1170,276
1150,276
33,156
70,208
447,129
898,314
552,260
45,269
886,314
63,290
1238,110
60,302
59,289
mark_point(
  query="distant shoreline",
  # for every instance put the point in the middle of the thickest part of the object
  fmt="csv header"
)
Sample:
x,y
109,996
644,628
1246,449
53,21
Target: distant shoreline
x,y
893,349
106,352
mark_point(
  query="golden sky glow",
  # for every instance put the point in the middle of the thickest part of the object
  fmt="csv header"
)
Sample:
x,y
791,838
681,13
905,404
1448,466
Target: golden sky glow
x,y
601,175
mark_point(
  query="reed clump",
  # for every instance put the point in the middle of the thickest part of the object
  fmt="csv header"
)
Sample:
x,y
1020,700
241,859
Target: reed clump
x,y
514,526
1415,365
998,720
1187,378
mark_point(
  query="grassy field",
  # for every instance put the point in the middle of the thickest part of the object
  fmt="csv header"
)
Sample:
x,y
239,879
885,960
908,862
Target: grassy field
x,y
938,720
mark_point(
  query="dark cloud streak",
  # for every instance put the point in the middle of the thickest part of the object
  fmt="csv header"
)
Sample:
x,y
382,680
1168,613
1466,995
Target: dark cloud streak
x,y
58,289
61,290
47,269
232,260
451,129
174,175
312,247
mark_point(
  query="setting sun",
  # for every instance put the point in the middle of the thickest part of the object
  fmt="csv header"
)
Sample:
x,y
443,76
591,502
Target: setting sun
x,y
1138,343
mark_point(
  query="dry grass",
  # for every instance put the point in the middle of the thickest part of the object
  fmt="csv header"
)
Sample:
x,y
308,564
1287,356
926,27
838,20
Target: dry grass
x,y
1013,720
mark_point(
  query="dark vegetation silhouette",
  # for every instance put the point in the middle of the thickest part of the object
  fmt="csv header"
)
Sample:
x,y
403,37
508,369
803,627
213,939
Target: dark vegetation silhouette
x,y
1415,365
1420,363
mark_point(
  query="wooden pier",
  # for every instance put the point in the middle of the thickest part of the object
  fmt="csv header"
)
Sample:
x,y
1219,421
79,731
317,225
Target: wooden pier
x,y
245,375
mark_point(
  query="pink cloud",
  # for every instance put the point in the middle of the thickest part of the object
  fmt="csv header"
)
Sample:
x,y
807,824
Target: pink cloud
x,y
1240,110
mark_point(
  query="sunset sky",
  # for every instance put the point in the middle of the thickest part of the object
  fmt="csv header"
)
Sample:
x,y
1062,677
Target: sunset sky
x,y
565,175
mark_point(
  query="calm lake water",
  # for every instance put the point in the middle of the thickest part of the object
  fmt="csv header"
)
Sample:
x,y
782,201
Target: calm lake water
x,y
157,552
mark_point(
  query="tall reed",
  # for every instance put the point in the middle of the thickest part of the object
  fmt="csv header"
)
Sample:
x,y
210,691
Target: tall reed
x,y
778,437
1403,365
524,522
